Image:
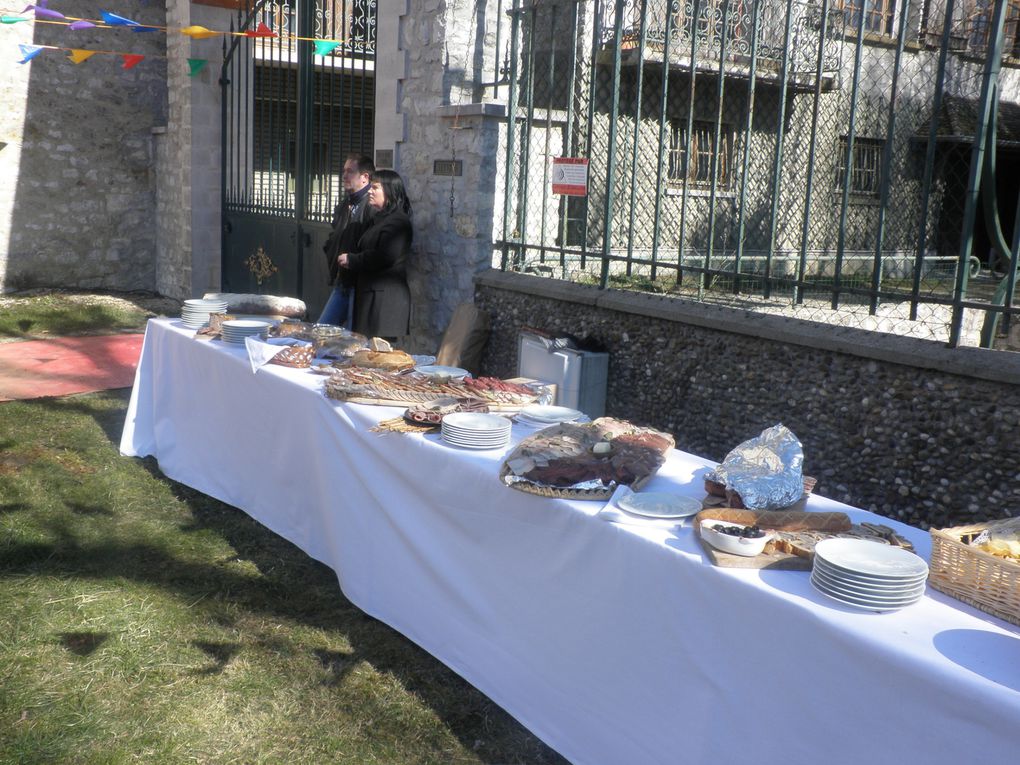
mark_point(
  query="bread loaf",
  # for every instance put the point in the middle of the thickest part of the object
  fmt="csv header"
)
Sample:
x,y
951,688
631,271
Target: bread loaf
x,y
778,520
392,361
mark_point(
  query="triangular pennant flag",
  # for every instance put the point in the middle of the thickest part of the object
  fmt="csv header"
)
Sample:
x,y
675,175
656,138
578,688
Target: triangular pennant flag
x,y
130,60
29,52
12,19
196,65
42,12
80,24
199,33
77,55
260,31
119,21
324,47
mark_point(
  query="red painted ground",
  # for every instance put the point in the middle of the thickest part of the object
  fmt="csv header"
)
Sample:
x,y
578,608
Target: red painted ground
x,y
65,365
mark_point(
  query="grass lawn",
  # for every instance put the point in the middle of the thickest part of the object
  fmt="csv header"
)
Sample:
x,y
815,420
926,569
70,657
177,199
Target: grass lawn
x,y
141,621
39,313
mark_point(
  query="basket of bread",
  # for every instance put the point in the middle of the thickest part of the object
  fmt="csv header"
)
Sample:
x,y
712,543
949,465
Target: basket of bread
x,y
980,565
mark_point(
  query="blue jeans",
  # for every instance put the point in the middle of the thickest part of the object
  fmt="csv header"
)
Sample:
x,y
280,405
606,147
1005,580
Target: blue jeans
x,y
338,309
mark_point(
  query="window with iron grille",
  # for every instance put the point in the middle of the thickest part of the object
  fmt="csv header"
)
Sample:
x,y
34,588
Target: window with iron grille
x,y
878,18
865,166
978,25
703,153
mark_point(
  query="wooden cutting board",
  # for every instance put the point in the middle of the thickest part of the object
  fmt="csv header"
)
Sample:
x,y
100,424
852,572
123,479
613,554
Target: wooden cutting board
x,y
776,561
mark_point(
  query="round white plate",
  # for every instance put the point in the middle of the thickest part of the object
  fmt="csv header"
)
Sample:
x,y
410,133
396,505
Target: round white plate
x,y
479,446
907,593
863,557
658,504
550,414
475,421
866,605
246,324
433,370
862,580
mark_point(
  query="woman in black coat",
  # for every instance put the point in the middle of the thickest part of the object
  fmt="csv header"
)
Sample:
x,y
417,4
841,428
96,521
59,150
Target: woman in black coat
x,y
382,302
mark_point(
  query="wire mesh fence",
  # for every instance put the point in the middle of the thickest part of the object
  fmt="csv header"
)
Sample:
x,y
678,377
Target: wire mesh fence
x,y
816,158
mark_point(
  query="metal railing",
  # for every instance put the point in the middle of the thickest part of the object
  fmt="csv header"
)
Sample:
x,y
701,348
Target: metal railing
x,y
788,155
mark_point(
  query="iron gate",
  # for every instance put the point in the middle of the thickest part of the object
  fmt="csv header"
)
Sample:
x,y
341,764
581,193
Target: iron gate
x,y
819,158
294,105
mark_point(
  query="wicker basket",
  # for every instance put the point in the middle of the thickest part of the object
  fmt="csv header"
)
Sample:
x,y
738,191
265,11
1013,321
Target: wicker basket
x,y
974,576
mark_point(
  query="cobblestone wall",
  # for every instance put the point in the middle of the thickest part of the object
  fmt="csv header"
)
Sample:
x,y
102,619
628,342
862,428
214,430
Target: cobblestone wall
x,y
904,427
78,203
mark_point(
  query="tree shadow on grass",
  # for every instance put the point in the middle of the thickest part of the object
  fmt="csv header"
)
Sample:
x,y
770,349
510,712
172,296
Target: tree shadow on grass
x,y
292,587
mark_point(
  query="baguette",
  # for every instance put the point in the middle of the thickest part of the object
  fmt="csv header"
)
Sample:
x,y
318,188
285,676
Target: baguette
x,y
778,520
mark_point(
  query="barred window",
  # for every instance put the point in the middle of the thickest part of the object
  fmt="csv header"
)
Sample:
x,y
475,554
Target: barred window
x,y
703,152
877,19
865,166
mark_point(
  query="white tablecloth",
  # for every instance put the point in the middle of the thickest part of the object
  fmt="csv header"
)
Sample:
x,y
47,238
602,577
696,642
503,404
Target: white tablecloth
x,y
614,643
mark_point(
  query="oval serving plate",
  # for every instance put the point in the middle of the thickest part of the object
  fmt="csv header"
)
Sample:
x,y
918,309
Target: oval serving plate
x,y
659,504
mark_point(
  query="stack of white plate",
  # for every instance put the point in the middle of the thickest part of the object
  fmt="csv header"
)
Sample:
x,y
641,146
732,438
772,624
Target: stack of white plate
x,y
868,575
542,416
235,330
195,313
474,430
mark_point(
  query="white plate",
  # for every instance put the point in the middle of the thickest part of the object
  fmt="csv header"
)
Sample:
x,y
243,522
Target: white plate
x,y
246,324
659,504
865,605
860,556
550,414
479,446
433,370
476,422
861,580
907,593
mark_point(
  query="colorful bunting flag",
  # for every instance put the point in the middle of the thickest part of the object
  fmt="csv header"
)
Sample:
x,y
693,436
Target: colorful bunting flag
x,y
260,31
29,52
324,47
80,24
42,12
78,55
130,60
199,33
119,21
196,65
13,19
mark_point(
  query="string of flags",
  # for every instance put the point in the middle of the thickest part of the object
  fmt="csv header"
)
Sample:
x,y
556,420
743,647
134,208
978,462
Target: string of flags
x,y
41,14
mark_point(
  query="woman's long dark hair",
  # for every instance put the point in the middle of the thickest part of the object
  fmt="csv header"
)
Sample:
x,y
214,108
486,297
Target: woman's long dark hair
x,y
393,187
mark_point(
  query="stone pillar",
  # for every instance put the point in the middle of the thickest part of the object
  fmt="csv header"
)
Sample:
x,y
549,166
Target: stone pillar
x,y
450,53
188,159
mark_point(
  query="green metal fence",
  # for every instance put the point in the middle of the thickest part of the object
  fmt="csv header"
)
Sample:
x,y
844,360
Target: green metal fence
x,y
846,161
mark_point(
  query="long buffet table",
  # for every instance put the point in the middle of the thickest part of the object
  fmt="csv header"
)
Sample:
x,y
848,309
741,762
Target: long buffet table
x,y
613,642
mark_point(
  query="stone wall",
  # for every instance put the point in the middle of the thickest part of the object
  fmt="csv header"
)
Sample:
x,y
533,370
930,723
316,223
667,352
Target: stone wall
x,y
77,204
906,428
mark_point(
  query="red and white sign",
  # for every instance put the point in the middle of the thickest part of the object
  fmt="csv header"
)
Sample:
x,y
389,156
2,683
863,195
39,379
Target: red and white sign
x,y
570,176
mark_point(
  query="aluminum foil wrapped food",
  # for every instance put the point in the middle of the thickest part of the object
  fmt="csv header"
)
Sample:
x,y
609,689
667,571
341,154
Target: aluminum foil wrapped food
x,y
766,471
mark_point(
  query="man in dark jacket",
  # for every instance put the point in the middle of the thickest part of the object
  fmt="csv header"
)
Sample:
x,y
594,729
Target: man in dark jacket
x,y
350,219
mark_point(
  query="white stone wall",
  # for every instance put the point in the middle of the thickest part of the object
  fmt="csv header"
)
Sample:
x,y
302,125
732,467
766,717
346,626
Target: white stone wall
x,y
78,190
